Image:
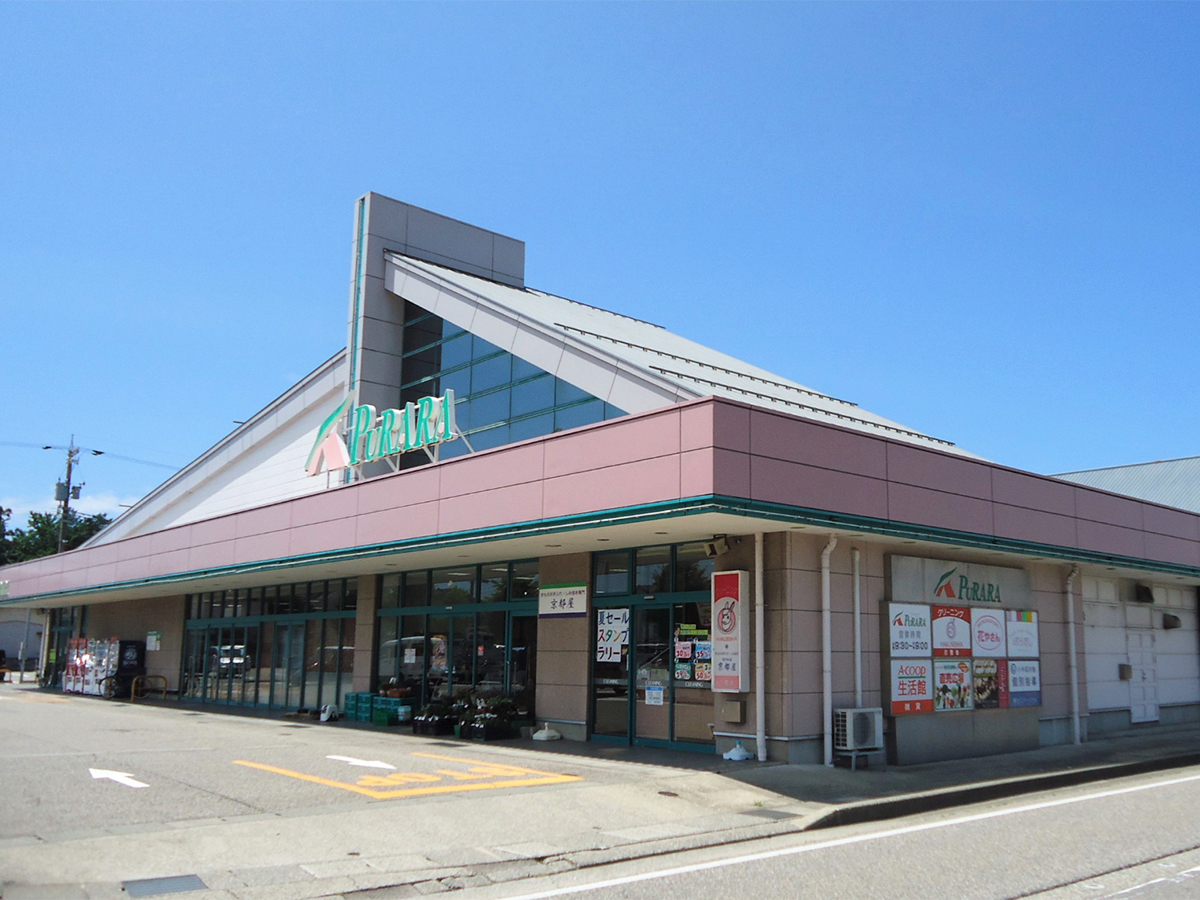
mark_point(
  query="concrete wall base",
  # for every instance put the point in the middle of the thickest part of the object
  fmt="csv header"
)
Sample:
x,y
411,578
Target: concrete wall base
x,y
957,735
1116,721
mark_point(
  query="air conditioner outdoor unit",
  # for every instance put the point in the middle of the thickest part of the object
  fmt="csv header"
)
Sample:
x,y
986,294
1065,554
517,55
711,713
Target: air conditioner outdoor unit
x,y
858,729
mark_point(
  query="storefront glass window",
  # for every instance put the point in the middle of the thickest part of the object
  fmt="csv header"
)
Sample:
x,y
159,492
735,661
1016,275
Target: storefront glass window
x,y
453,586
416,589
525,580
389,591
693,567
493,583
653,573
612,572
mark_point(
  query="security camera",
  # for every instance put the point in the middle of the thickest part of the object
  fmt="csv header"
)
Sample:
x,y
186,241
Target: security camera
x,y
716,546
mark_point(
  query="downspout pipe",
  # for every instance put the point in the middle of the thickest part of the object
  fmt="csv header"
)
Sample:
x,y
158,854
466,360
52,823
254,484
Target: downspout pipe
x,y
827,652
760,651
854,557
1072,658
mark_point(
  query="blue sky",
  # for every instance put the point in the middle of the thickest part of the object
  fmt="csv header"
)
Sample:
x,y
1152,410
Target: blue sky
x,y
979,220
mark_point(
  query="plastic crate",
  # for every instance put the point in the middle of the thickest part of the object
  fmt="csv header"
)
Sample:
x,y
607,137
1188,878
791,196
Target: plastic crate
x,y
384,717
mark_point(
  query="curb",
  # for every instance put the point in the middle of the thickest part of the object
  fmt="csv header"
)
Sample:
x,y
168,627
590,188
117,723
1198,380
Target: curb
x,y
910,804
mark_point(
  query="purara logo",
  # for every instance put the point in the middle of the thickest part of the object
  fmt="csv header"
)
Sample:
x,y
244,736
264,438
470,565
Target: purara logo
x,y
373,436
944,587
904,620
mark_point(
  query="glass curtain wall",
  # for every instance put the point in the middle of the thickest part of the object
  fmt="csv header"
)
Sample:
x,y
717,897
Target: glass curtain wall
x,y
500,398
280,647
445,633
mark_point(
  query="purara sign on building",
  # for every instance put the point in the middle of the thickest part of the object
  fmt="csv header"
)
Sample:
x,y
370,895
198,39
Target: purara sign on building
x,y
730,648
372,436
917,580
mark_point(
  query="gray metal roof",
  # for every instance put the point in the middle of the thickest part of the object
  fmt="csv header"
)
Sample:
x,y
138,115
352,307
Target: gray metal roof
x,y
1171,482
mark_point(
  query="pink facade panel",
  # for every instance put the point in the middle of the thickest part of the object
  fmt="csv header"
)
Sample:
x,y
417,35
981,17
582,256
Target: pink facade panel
x,y
261,546
731,426
211,556
1103,538
778,481
178,538
321,536
787,438
633,484
409,488
696,472
1172,549
623,440
731,473
399,524
329,506
940,509
1171,522
1033,492
516,465
1109,508
696,426
1034,525
938,471
264,520
484,509
210,531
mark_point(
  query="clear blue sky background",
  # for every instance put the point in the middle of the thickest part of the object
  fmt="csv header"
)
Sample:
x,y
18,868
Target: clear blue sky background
x,y
979,220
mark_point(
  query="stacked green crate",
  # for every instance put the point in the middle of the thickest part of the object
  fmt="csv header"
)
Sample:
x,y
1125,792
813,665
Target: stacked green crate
x,y
385,711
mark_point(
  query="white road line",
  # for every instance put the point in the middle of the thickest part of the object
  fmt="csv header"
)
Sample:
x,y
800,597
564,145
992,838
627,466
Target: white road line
x,y
842,842
1177,877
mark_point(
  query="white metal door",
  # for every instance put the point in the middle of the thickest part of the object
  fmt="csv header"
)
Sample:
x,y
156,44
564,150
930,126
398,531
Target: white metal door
x,y
1143,687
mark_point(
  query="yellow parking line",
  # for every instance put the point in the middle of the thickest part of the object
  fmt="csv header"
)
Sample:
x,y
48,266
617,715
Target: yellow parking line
x,y
517,779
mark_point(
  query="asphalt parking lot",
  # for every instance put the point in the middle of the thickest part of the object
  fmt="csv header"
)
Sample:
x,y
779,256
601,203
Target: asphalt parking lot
x,y
98,793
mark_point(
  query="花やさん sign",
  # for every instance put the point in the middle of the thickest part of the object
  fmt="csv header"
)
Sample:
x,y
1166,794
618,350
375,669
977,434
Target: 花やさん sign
x,y
562,601
730,649
912,686
987,632
908,630
917,580
372,436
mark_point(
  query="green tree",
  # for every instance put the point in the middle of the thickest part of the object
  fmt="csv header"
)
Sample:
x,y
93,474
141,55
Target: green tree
x,y
40,537
4,516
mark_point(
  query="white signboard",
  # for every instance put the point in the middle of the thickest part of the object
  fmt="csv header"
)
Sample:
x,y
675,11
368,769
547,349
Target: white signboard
x,y
154,640
987,632
612,634
1022,625
912,686
730,646
951,631
562,601
909,631
917,580
654,694
1024,682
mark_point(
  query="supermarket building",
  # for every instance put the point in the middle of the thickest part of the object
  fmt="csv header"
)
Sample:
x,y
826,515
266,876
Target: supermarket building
x,y
496,489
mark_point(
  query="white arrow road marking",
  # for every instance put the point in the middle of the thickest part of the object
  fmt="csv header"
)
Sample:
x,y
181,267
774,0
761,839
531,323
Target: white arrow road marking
x,y
124,778
367,763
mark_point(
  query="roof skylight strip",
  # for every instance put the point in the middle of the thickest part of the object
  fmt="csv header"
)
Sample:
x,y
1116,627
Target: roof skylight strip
x,y
805,406
704,365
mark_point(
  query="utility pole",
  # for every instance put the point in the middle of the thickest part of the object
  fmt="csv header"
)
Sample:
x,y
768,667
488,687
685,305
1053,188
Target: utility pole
x,y
64,493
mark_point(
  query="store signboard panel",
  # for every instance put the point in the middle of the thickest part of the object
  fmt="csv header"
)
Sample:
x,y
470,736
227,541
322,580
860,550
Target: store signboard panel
x,y
1024,682
909,631
987,633
918,580
951,631
912,686
953,685
562,601
730,645
1022,627
991,683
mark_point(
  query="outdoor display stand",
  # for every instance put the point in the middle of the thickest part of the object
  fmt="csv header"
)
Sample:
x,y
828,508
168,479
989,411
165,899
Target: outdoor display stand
x,y
91,661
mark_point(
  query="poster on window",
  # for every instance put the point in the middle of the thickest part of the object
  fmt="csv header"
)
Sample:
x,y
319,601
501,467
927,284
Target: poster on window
x,y
1022,625
987,633
908,630
953,685
951,631
991,683
1024,682
912,686
612,634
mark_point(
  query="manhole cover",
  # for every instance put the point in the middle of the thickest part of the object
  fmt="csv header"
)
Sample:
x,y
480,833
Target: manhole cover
x,y
175,884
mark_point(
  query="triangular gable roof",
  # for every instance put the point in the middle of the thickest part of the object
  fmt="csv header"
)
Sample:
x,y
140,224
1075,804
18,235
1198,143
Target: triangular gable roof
x,y
634,365
261,461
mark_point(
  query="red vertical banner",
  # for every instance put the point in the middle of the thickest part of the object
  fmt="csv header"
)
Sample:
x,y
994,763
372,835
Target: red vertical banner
x,y
1002,681
730,646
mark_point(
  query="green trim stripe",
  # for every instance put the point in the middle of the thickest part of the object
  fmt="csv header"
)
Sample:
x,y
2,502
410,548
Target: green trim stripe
x,y
711,503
